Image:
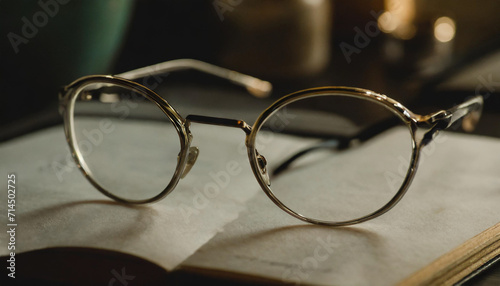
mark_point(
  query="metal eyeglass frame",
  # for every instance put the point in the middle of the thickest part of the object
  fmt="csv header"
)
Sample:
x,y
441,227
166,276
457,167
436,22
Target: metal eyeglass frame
x,y
422,128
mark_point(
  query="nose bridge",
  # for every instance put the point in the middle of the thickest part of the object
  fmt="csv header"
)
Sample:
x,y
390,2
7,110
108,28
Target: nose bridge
x,y
220,122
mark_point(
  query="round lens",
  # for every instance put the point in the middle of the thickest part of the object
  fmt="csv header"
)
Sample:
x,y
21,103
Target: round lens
x,y
125,143
334,158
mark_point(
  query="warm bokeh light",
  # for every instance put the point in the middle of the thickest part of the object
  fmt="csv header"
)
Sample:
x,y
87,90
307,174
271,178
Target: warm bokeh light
x,y
398,18
387,23
314,2
444,29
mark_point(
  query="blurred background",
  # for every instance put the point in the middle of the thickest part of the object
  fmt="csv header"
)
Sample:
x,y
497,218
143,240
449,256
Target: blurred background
x,y
426,54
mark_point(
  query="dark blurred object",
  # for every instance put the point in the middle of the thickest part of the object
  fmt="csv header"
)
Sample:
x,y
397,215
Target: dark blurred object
x,y
166,30
48,44
282,43
262,38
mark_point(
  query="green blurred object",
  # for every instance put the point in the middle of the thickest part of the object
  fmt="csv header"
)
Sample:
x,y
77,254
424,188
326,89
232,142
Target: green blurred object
x,y
47,43
69,39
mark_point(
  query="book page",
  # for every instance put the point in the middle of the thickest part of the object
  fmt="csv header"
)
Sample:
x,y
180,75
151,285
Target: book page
x,y
454,196
56,206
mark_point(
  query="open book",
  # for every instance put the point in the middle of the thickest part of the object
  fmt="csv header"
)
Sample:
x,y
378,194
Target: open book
x,y
445,227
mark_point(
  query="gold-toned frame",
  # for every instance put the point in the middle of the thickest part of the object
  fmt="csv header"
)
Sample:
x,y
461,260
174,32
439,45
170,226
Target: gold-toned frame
x,y
66,108
421,128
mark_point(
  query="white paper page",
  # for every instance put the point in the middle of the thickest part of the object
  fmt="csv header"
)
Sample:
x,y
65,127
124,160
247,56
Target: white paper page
x,y
57,206
454,196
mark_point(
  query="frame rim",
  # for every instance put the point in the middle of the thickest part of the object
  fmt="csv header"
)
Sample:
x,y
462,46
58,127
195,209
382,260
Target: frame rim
x,y
66,106
409,118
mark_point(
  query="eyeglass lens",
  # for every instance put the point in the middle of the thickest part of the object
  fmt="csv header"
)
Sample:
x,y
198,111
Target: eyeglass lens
x,y
126,143
325,158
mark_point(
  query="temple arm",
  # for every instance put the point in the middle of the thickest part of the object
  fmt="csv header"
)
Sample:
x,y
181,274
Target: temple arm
x,y
468,113
255,86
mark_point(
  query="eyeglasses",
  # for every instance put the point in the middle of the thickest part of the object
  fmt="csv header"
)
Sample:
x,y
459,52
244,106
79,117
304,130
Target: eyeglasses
x,y
330,155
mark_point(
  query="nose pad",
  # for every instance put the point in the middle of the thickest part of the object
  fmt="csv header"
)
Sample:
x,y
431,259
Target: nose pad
x,y
262,163
192,156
